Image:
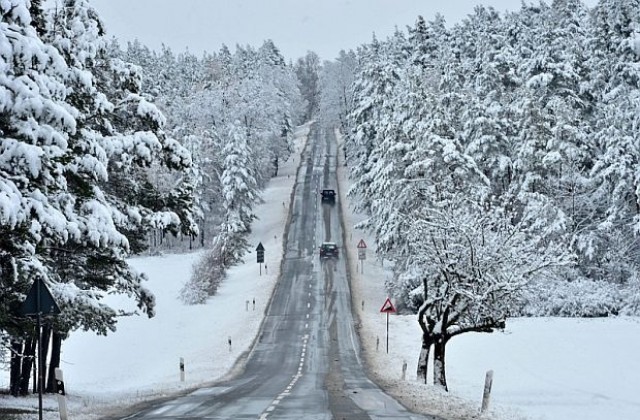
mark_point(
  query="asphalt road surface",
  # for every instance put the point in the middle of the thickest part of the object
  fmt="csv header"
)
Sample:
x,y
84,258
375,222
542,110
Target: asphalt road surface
x,y
306,361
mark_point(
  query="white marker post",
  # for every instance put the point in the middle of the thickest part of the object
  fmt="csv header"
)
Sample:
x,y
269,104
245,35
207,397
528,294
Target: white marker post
x,y
182,369
488,382
62,402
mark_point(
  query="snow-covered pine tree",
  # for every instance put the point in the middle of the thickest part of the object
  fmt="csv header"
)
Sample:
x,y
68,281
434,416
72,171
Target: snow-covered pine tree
x,y
612,246
239,192
35,125
279,94
308,69
78,33
374,91
61,148
336,97
488,116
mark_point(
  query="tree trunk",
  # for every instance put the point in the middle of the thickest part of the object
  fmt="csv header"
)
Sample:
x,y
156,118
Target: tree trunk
x,y
427,337
201,233
44,342
56,349
17,348
27,363
423,360
439,368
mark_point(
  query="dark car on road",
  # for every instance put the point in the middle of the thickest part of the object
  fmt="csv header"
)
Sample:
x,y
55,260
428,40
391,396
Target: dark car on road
x,y
328,196
329,250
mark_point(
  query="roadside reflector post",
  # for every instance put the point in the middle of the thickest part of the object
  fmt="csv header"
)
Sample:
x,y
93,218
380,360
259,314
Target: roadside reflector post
x,y
182,369
62,402
488,382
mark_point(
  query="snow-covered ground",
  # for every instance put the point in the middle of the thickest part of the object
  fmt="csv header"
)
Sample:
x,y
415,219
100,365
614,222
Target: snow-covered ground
x,y
553,369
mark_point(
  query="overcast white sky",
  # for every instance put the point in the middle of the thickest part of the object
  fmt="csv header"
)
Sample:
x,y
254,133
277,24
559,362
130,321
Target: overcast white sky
x,y
296,26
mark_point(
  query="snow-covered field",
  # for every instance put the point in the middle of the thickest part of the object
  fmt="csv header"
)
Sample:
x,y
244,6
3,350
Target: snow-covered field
x,y
552,369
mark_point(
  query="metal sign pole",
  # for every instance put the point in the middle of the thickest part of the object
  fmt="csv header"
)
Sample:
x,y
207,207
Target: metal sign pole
x,y
39,339
387,307
387,332
260,257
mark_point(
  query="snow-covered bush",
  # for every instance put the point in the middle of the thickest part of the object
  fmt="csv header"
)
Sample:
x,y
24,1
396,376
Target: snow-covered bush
x,y
579,298
631,297
207,275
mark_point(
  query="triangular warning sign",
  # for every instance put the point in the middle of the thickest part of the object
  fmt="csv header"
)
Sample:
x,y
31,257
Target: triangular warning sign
x,y
39,300
361,244
387,307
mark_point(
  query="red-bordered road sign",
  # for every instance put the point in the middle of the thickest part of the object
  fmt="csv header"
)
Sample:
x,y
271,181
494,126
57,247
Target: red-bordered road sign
x,y
361,244
387,307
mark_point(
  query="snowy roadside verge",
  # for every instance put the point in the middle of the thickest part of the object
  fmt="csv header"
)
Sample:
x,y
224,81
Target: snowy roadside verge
x,y
140,361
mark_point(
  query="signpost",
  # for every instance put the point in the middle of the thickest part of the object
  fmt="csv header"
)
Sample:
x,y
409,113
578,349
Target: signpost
x,y
362,254
388,308
39,301
260,255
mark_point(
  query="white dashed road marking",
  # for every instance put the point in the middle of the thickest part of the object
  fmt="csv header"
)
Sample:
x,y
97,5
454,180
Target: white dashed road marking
x,y
295,378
